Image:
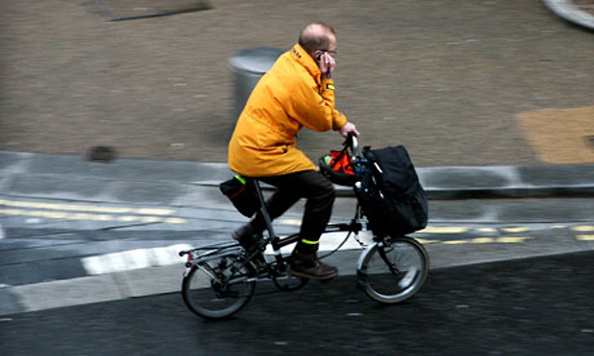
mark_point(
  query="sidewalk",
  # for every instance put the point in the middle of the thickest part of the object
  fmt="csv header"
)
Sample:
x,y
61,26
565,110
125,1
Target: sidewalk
x,y
168,95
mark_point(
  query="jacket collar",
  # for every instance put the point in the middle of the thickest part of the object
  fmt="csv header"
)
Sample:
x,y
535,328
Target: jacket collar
x,y
299,54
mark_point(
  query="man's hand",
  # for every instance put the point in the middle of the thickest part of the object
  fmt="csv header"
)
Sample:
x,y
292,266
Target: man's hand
x,y
348,127
326,63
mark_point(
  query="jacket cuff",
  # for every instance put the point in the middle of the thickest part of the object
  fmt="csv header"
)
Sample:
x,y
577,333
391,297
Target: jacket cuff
x,y
339,121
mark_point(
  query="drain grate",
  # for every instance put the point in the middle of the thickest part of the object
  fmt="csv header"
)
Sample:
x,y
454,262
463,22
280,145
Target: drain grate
x,y
103,154
119,10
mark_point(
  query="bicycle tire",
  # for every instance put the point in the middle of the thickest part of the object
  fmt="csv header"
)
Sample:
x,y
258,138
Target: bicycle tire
x,y
399,275
210,298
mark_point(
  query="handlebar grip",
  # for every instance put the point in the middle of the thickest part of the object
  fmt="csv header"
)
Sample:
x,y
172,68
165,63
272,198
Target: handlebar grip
x,y
353,142
348,141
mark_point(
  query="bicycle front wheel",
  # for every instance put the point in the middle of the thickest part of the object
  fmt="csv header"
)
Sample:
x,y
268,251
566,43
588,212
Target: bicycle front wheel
x,y
218,288
393,270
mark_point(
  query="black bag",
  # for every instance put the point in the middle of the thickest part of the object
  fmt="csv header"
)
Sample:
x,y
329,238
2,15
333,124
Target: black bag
x,y
242,193
390,194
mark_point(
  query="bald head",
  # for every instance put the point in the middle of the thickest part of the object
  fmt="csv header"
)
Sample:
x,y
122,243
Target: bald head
x,y
317,36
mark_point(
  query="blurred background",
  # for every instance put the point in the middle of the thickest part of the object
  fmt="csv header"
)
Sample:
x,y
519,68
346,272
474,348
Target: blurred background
x,y
459,82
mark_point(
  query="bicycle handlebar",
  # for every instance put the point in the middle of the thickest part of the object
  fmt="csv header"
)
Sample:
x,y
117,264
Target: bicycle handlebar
x,y
353,142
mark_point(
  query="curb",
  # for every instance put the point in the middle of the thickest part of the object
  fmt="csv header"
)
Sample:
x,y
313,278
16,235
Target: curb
x,y
175,182
495,182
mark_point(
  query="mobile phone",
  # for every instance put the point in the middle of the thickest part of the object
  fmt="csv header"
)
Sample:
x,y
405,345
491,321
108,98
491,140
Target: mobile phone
x,y
318,56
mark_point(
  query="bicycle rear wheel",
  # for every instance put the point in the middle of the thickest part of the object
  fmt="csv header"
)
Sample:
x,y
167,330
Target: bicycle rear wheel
x,y
218,288
393,270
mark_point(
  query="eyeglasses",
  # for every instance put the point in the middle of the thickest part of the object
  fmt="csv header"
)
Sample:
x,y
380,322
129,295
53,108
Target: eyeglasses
x,y
329,51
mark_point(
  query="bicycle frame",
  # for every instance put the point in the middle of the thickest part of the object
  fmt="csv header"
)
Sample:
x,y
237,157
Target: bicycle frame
x,y
229,248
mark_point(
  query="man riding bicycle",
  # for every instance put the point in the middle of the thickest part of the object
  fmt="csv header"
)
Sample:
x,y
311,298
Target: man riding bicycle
x,y
297,91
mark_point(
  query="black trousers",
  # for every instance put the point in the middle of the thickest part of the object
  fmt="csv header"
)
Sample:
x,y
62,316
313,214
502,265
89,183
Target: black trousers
x,y
318,191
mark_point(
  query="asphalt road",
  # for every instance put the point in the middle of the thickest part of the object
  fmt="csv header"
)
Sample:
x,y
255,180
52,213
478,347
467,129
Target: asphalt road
x,y
528,306
540,306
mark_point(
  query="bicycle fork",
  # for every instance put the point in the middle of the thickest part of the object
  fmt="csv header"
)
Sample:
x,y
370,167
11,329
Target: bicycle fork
x,y
361,269
362,273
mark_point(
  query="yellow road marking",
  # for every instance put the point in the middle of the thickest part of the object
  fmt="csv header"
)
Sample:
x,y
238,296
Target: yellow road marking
x,y
176,221
483,240
425,242
583,228
456,242
86,208
57,215
154,215
515,229
512,239
585,237
486,229
445,230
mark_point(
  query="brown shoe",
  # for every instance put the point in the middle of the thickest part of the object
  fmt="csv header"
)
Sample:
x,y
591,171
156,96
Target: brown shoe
x,y
246,236
309,266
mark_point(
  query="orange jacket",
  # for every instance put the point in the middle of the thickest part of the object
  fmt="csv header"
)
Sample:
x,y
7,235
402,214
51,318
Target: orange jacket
x,y
291,95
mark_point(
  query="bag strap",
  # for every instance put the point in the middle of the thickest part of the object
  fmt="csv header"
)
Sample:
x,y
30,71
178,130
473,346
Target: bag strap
x,y
338,158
